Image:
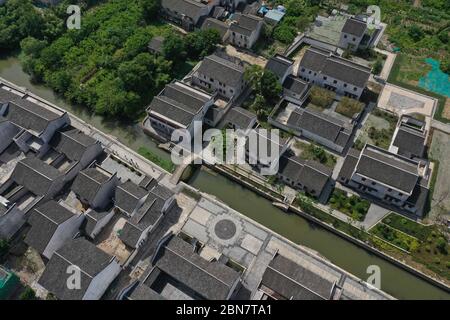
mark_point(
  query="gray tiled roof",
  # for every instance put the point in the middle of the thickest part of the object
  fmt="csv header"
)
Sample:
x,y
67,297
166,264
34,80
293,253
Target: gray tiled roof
x,y
143,292
355,27
29,115
162,192
6,96
323,125
295,84
92,218
314,59
88,182
179,102
35,175
292,280
71,142
220,26
346,71
44,221
128,195
349,165
190,8
388,168
146,216
211,280
279,65
240,118
322,61
78,252
222,70
156,44
310,174
11,220
245,24
410,140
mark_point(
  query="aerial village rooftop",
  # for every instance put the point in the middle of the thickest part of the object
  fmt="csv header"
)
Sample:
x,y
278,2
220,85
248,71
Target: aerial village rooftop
x,y
353,154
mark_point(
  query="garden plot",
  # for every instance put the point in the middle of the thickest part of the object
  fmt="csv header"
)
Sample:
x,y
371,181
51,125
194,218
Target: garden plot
x,y
378,130
440,151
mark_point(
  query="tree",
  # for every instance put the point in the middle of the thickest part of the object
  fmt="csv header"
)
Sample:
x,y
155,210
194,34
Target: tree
x,y
253,75
201,43
28,294
415,32
378,66
18,20
445,65
151,8
441,244
270,86
4,247
285,33
173,47
32,46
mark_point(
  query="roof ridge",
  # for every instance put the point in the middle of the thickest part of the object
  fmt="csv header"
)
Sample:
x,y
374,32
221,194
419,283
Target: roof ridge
x,y
73,264
196,266
40,173
295,281
171,102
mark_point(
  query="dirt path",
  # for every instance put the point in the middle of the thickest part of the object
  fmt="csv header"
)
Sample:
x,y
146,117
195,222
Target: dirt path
x,y
246,56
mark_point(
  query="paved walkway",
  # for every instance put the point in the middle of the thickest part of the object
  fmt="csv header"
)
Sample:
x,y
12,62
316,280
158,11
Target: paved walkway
x,y
388,63
375,214
440,126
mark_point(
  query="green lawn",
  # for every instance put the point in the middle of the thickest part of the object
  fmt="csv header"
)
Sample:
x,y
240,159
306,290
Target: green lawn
x,y
378,129
311,151
395,237
408,226
428,245
163,163
352,206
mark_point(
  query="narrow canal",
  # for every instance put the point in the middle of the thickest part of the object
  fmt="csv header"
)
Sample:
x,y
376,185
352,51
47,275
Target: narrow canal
x,y
346,255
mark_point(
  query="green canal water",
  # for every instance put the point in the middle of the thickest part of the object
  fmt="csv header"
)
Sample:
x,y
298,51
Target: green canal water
x,y
346,255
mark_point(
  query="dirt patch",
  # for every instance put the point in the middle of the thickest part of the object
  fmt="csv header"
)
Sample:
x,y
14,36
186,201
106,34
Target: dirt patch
x,y
446,112
246,56
111,243
440,150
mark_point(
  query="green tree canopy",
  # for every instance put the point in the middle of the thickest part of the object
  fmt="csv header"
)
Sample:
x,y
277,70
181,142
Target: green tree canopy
x,y
270,86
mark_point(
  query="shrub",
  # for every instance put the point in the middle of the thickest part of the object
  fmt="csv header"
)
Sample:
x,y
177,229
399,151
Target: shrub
x,y
321,97
28,294
349,107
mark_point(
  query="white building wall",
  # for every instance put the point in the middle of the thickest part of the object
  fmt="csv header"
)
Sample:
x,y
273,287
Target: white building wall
x,y
349,41
105,194
101,282
65,232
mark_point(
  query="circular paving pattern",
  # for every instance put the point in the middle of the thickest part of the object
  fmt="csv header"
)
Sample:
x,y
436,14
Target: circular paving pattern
x,y
225,229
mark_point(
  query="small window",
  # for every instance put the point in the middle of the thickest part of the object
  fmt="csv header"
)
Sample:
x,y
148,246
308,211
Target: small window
x,y
345,36
354,39
324,78
345,85
303,69
309,72
355,88
334,81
